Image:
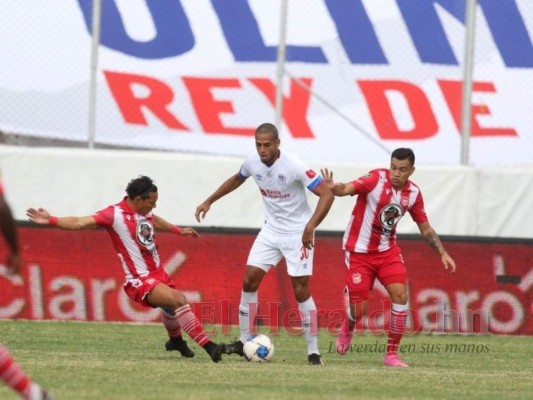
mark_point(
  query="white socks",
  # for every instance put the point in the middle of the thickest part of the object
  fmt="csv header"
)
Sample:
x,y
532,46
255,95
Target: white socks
x,y
309,323
308,314
244,313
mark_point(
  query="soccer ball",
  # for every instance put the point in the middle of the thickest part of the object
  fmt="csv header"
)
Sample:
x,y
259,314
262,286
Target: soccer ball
x,y
258,348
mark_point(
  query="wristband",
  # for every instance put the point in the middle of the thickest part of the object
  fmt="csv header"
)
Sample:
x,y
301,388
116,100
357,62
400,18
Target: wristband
x,y
176,229
52,221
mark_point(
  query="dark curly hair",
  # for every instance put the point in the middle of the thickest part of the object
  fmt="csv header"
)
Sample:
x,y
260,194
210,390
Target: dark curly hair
x,y
141,186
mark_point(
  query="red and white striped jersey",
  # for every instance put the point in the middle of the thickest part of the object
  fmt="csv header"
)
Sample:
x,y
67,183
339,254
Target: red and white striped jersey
x,y
133,237
379,207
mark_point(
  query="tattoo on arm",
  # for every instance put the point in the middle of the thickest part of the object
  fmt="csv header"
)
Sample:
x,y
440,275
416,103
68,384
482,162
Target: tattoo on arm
x,y
434,242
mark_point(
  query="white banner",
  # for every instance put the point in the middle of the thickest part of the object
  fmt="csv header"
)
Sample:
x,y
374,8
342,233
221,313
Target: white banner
x,y
198,76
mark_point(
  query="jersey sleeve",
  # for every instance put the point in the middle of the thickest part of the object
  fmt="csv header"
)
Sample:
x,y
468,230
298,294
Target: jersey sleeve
x,y
244,171
312,178
105,217
308,176
364,184
417,211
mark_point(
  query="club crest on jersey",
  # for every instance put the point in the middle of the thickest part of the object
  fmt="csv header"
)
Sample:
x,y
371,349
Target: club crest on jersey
x,y
145,233
282,180
356,278
390,215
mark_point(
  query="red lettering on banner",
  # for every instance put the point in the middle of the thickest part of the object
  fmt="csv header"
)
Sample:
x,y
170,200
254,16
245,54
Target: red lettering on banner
x,y
452,91
375,92
295,105
131,106
208,109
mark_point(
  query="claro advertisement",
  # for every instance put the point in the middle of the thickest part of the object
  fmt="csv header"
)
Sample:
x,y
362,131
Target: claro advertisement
x,y
77,276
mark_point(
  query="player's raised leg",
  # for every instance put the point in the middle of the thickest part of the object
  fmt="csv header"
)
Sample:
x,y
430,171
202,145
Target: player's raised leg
x,y
355,311
18,380
175,340
166,297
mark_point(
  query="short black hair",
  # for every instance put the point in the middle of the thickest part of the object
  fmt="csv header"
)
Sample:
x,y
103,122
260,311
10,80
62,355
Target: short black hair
x,y
141,186
267,128
404,153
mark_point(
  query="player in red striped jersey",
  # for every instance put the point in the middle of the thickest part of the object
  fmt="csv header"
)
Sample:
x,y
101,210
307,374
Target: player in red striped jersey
x,y
131,225
383,197
10,372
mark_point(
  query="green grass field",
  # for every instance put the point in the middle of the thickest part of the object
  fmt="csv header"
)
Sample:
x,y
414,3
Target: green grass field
x,y
124,361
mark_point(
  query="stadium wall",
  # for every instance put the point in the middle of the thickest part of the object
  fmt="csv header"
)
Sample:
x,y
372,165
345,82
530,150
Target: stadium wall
x,y
460,200
76,276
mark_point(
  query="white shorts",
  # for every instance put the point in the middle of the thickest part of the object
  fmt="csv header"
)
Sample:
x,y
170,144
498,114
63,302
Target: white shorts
x,y
269,248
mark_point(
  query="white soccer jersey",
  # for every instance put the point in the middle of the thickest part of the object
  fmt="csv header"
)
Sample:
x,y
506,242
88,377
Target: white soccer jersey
x,y
133,237
282,186
379,208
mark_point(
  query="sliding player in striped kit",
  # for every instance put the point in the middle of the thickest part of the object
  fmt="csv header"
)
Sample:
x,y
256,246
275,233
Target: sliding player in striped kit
x,y
383,198
288,231
131,226
10,372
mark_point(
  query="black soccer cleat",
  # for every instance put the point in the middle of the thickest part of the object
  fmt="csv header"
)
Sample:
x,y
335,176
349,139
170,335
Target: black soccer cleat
x,y
236,347
315,359
178,344
215,351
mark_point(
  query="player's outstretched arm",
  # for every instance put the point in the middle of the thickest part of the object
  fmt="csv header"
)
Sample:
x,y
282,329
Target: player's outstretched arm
x,y
42,217
228,186
431,237
337,188
162,225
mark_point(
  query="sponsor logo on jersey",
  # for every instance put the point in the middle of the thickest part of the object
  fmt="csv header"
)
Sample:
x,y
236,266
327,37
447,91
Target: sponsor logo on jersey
x,y
145,233
259,177
390,215
274,194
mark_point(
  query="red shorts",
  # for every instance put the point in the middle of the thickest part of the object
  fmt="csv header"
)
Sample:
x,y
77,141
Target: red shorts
x,y
138,289
363,268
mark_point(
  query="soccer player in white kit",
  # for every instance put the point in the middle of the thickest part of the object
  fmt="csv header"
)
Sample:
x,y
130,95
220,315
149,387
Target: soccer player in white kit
x,y
131,226
288,231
